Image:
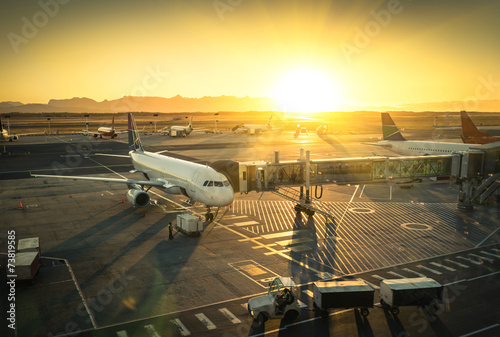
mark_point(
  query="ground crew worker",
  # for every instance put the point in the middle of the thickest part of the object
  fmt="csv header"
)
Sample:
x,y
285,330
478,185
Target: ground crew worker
x,y
284,300
170,236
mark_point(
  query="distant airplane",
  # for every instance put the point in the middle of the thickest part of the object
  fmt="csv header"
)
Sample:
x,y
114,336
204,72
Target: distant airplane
x,y
470,133
322,129
14,137
394,141
104,131
200,183
178,131
253,129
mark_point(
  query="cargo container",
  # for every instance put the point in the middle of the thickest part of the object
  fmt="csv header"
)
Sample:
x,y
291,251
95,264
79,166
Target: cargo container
x,y
26,265
189,224
29,245
343,294
417,291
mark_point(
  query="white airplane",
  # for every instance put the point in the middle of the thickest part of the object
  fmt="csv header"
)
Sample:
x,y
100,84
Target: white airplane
x,y
253,129
180,131
200,183
14,137
394,141
104,131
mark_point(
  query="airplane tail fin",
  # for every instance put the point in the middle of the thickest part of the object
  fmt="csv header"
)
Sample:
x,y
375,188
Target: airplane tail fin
x,y
191,122
470,133
389,128
269,121
134,142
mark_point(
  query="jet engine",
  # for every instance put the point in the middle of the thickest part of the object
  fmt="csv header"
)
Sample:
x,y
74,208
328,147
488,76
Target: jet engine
x,y
137,197
13,138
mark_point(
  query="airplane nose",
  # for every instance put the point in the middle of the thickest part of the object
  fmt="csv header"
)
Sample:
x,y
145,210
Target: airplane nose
x,y
228,196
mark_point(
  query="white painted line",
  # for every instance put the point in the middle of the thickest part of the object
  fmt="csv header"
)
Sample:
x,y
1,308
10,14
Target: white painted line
x,y
301,304
234,217
246,223
414,272
204,319
486,238
151,330
308,293
396,274
480,330
182,329
457,263
482,257
496,250
490,254
480,277
378,277
467,259
230,316
429,269
371,284
245,305
442,266
122,333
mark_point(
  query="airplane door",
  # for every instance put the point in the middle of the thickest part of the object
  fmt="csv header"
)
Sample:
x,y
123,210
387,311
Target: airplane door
x,y
192,186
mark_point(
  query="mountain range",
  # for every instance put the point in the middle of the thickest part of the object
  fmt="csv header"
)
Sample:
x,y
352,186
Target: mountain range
x,y
219,103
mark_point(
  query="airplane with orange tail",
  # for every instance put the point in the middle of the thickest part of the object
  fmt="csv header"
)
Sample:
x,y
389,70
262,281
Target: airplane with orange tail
x,y
470,133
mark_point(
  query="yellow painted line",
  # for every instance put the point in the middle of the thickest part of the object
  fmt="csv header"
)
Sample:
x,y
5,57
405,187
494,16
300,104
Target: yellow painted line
x,y
277,252
258,247
293,241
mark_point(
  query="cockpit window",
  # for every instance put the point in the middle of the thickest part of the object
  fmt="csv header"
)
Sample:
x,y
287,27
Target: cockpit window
x,y
210,183
226,183
218,183
205,183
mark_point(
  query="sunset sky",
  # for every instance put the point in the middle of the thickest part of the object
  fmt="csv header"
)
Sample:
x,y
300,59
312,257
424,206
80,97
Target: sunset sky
x,y
331,53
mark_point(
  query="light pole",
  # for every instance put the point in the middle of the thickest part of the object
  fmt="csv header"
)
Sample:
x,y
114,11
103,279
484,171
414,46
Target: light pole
x,y
86,122
48,120
156,115
8,123
215,123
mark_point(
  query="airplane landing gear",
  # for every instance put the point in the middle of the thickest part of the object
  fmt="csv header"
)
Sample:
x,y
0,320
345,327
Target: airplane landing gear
x,y
209,217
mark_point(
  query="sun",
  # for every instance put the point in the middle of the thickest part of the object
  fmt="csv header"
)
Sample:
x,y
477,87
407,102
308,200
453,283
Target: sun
x,y
306,90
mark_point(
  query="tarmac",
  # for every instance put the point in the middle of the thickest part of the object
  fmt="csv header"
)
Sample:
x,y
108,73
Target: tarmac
x,y
108,269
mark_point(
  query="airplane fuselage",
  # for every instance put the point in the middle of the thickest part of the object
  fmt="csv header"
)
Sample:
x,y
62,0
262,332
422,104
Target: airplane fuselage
x,y
198,182
418,148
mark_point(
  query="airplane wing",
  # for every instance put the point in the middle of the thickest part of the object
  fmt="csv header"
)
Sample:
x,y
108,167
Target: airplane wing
x,y
110,180
90,133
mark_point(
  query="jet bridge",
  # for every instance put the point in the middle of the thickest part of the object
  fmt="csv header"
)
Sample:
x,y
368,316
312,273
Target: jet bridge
x,y
477,172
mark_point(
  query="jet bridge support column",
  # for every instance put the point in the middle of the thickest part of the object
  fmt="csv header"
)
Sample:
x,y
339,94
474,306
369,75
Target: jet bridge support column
x,y
308,176
465,195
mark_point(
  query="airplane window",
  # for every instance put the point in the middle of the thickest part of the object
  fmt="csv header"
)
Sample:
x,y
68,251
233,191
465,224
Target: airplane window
x,y
205,183
210,183
226,183
218,183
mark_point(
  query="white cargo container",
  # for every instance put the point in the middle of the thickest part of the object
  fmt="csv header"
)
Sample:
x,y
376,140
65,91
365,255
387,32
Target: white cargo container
x,y
26,265
343,294
417,291
189,224
29,245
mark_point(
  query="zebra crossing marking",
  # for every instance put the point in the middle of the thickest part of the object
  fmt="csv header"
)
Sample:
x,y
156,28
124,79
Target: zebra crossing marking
x,y
230,316
442,266
151,330
182,329
396,274
414,272
457,263
378,277
469,260
204,319
429,269
482,257
245,223
491,254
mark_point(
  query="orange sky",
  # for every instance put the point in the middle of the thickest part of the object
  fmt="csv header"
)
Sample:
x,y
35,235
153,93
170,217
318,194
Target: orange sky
x,y
348,52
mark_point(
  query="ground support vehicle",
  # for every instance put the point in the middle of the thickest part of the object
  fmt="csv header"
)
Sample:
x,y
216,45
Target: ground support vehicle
x,y
343,294
189,224
419,291
266,306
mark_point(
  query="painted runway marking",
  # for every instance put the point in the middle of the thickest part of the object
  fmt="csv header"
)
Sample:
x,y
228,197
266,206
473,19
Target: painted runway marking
x,y
467,259
230,316
482,257
442,266
378,277
429,269
182,329
481,330
490,254
246,223
151,330
396,274
457,263
204,319
414,272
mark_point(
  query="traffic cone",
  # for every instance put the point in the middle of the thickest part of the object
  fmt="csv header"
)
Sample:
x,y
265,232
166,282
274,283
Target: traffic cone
x,y
143,213
123,200
20,204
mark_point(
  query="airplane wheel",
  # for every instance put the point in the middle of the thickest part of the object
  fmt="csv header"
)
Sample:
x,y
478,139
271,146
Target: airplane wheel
x,y
291,315
395,311
364,312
